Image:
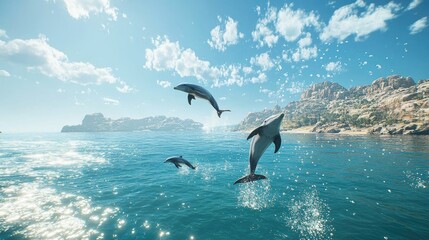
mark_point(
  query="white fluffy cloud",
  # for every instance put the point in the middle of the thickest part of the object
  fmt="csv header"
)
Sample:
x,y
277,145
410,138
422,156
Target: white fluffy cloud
x,y
37,55
291,23
334,67
163,83
169,56
414,4
221,38
4,73
124,88
418,25
261,78
110,101
263,61
359,19
286,22
305,41
189,65
263,33
83,8
304,53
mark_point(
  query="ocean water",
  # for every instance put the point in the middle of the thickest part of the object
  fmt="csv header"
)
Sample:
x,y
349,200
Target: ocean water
x,y
117,186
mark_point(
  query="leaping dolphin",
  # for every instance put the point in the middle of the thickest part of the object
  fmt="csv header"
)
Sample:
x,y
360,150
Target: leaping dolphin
x,y
200,92
177,161
263,136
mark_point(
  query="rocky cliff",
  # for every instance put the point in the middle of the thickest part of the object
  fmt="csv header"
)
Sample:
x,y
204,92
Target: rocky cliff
x,y
391,105
98,123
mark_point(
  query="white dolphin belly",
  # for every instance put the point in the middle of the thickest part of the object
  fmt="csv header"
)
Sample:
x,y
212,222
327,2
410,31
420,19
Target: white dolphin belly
x,y
257,148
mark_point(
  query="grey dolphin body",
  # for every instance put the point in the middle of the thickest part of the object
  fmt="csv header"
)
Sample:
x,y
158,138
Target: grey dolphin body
x,y
263,136
177,161
200,92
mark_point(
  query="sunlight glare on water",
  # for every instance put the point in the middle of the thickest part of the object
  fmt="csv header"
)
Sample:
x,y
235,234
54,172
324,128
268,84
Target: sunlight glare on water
x,y
44,213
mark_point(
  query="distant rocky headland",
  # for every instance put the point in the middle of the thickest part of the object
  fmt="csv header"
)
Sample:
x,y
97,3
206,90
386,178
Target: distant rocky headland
x,y
391,105
98,123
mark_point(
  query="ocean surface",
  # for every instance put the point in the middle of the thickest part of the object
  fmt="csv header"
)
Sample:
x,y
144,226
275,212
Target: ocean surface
x,y
117,186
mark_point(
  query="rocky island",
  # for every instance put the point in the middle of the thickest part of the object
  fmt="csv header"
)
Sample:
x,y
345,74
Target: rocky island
x,y
391,105
98,123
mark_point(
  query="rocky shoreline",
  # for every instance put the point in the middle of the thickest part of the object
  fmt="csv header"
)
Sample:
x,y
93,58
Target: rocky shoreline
x,y
389,106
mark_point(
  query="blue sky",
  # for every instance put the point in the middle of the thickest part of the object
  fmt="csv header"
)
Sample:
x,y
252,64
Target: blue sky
x,y
60,60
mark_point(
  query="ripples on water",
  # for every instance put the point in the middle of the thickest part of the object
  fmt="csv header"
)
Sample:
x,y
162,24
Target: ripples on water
x,y
30,207
117,186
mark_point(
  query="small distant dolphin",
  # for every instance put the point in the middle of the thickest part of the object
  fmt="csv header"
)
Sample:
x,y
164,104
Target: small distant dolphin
x,y
263,136
179,160
198,91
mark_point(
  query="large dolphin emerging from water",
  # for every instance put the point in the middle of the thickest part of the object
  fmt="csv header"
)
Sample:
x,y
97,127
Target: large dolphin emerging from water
x,y
263,136
177,161
200,92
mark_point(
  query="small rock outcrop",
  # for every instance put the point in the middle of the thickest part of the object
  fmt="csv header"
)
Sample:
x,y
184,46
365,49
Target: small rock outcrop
x,y
325,91
390,83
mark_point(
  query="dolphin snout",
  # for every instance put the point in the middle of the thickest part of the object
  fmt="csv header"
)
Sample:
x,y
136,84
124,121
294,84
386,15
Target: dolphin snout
x,y
280,116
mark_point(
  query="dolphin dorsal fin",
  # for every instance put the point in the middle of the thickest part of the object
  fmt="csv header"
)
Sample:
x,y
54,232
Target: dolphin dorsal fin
x,y
190,97
277,142
254,132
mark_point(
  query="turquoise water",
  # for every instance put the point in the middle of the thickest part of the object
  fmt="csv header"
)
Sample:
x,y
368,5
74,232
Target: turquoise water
x,y
116,186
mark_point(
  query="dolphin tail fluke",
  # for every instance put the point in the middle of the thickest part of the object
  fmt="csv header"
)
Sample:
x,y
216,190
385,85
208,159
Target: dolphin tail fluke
x,y
250,178
190,166
221,111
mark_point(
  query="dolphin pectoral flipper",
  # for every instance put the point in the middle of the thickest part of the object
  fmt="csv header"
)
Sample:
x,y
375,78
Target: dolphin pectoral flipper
x,y
177,165
277,142
254,132
190,97
250,178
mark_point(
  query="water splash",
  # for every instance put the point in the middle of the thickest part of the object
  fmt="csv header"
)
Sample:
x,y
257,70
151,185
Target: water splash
x,y
40,212
256,195
184,170
309,216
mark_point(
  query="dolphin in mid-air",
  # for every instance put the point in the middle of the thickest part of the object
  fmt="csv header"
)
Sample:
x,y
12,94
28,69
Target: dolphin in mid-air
x,y
177,161
263,136
200,92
